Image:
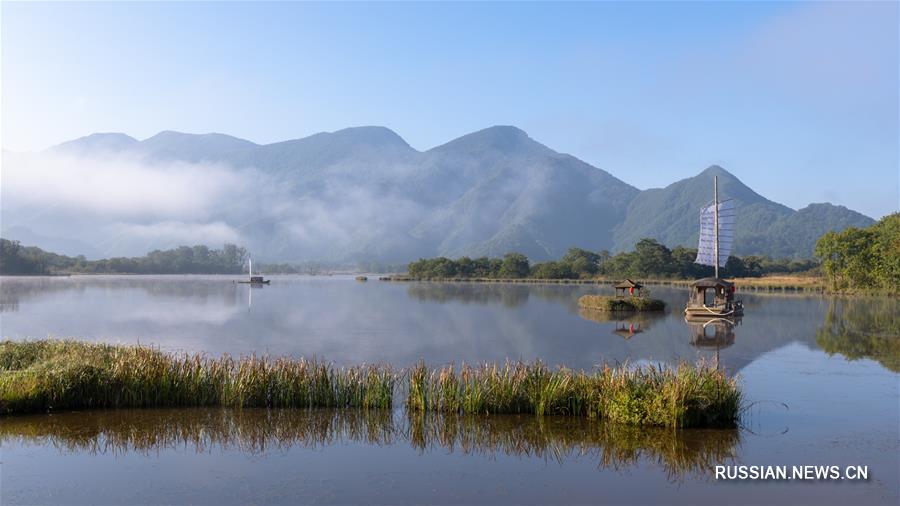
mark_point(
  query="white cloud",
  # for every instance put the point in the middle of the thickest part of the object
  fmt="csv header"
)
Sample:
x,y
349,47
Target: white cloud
x,y
116,186
127,206
179,232
121,205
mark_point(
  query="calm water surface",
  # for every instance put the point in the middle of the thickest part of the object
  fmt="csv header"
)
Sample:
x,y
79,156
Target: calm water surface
x,y
820,375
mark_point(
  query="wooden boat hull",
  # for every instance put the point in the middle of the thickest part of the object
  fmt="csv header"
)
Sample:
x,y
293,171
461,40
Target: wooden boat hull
x,y
266,282
706,312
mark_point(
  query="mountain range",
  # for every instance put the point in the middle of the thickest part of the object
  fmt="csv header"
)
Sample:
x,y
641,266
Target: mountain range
x,y
365,194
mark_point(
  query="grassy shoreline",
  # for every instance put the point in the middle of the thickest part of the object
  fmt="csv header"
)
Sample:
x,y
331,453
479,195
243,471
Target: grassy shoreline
x,y
49,375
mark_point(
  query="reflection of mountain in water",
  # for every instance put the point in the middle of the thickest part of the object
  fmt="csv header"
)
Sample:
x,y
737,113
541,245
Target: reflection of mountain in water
x,y
349,323
199,290
510,295
863,328
258,431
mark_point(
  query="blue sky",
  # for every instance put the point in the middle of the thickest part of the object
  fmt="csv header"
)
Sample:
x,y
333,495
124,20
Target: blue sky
x,y
799,100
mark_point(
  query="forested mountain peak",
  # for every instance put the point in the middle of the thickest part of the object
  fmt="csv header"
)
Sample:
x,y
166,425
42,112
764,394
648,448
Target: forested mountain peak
x,y
364,193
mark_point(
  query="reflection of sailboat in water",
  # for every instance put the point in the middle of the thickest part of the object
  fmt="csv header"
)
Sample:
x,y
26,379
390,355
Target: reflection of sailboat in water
x,y
250,288
713,334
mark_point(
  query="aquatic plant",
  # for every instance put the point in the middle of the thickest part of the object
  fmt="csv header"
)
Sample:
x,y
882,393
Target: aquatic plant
x,y
684,396
56,374
63,374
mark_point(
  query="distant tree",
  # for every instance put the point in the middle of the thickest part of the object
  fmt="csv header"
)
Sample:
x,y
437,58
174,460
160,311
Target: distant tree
x,y
735,267
863,259
652,258
440,267
683,265
553,270
514,265
582,262
15,259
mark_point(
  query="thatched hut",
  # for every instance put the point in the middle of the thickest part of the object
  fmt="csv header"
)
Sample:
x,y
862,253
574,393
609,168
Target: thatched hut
x,y
628,288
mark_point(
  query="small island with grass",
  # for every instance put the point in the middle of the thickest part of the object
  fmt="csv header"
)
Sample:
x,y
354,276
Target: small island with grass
x,y
630,296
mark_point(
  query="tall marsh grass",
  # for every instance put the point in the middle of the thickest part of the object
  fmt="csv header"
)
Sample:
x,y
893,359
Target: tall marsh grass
x,y
53,374
609,303
686,396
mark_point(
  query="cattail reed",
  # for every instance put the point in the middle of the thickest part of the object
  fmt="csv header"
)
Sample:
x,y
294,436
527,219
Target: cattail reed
x,y
49,374
52,374
686,396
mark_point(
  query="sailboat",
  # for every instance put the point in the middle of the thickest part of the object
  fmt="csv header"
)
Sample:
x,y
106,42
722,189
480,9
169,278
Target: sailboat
x,y
255,280
714,297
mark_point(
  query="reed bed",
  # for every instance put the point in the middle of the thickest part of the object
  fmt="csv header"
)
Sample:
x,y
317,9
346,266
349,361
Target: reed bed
x,y
54,374
62,374
686,396
608,303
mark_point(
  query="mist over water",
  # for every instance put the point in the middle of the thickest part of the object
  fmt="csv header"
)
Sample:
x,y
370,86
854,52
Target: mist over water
x,y
812,369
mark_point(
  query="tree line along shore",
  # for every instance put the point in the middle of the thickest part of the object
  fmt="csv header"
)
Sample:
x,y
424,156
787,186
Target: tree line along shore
x,y
855,260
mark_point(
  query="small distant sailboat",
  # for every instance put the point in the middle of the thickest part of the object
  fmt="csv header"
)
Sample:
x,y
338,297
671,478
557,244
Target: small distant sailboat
x,y
714,297
255,280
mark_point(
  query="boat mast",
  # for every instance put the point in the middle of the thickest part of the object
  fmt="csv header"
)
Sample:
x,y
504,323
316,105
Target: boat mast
x,y
250,261
716,221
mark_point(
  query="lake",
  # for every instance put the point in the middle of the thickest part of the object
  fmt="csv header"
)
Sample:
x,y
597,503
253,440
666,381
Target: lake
x,y
821,378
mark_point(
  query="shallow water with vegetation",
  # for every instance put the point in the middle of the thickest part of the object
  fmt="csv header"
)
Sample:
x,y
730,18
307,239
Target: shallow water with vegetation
x,y
820,377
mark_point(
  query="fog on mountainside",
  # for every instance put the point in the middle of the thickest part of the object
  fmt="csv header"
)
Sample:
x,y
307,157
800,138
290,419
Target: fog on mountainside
x,y
365,194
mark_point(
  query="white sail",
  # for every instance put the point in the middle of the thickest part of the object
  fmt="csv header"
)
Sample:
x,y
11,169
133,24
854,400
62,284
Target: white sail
x,y
706,250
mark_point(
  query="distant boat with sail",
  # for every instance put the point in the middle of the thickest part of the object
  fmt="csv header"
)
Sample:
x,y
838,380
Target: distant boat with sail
x,y
255,280
714,297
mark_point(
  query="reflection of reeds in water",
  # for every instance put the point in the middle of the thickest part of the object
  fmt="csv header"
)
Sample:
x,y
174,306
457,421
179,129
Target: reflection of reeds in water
x,y
553,438
255,431
201,429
